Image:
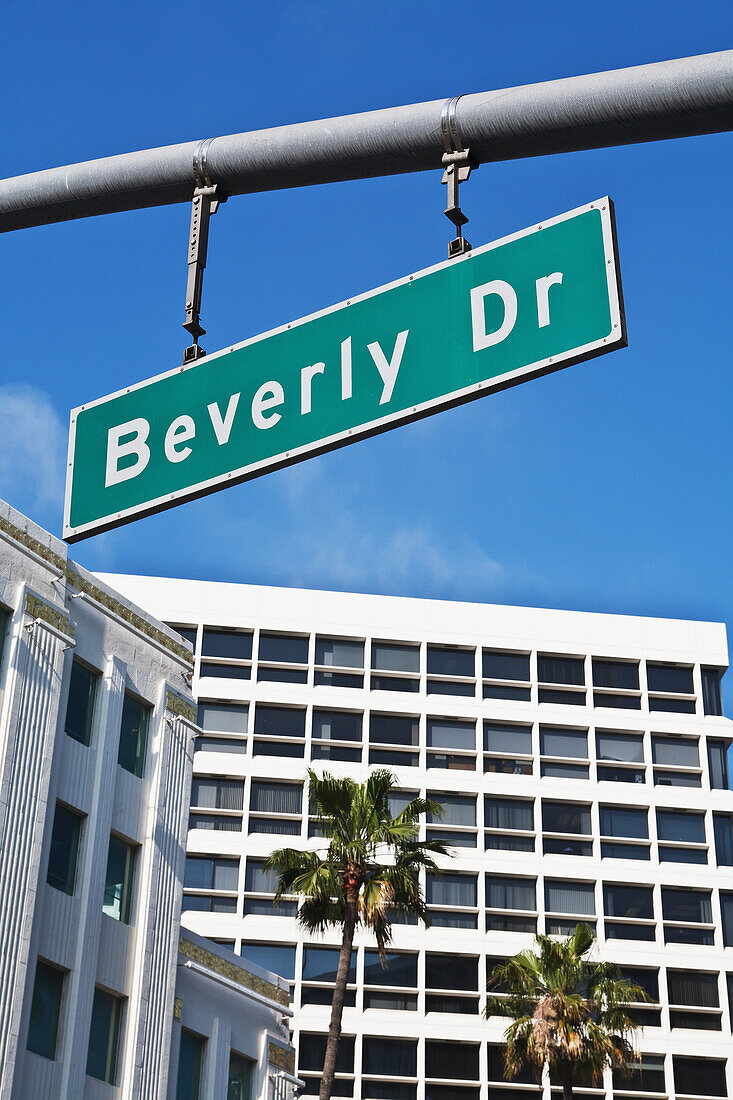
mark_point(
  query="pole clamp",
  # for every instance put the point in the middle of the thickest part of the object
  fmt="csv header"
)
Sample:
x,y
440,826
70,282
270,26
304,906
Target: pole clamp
x,y
458,165
206,199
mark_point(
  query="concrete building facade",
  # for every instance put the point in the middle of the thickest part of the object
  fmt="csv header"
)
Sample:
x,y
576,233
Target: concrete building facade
x,y
582,762
97,727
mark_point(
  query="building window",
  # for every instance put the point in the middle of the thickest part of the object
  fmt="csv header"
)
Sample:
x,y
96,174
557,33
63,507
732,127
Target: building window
x,y
232,653
616,684
670,688
64,849
188,632
619,756
104,1036
335,660
629,912
260,885
215,880
519,896
451,982
446,1061
644,1075
568,904
190,1063
723,830
283,658
451,744
278,958
80,704
224,727
646,1013
690,989
393,986
451,671
699,1076
508,824
687,916
275,808
566,829
712,700
457,826
718,765
389,1058
676,761
726,907
119,879
133,736
505,675
216,804
560,749
566,671
390,738
311,1054
239,1085
279,731
507,748
319,974
452,900
686,832
498,1089
43,1029
336,735
622,827
395,667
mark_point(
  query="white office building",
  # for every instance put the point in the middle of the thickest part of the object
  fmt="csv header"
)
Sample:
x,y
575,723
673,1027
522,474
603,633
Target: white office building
x,y
581,759
102,995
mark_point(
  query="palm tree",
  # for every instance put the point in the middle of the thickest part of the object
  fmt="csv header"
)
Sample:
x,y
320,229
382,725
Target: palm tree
x,y
368,874
567,1012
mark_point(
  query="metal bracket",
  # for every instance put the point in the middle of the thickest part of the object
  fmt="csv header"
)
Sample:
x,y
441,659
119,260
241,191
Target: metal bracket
x,y
458,165
206,199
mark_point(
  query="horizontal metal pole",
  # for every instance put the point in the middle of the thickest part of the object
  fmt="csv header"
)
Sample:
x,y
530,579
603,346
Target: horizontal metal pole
x,y
692,95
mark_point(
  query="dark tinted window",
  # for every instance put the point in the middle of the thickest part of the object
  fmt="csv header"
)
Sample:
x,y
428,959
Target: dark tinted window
x,y
624,822
502,737
615,674
226,643
275,957
451,1061
686,905
400,969
689,987
647,979
565,817
280,721
685,827
80,705
64,849
560,670
711,696
451,971
669,678
321,963
312,1051
718,765
389,657
339,652
333,725
390,1057
133,736
43,1028
443,661
391,729
283,647
628,901
498,665
699,1076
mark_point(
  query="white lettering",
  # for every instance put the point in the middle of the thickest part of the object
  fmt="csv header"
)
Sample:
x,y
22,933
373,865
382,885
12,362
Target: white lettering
x,y
543,296
182,428
306,382
139,429
481,338
346,369
222,428
388,370
261,403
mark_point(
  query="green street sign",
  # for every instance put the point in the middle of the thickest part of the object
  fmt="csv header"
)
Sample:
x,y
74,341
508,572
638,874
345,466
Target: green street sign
x,y
523,306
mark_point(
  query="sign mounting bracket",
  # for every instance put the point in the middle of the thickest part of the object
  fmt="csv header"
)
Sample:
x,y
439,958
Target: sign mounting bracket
x,y
205,202
458,165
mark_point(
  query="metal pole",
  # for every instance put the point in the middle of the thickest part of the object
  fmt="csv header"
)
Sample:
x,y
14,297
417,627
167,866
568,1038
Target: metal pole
x,y
669,99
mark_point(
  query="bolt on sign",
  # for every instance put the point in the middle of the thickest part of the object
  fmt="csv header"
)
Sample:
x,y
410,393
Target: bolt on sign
x,y
523,306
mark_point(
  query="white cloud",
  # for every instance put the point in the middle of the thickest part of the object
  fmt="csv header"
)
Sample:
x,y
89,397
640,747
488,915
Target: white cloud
x,y
32,450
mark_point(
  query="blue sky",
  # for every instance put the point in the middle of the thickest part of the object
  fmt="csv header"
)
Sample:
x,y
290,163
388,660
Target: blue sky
x,y
602,487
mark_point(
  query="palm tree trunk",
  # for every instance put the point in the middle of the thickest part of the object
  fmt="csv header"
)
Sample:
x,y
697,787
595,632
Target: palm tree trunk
x,y
339,996
567,1084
